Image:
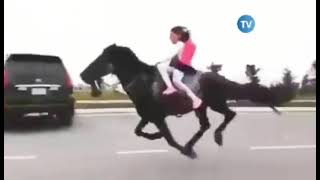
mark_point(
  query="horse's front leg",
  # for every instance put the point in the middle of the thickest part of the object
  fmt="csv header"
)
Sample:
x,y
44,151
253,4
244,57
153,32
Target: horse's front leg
x,y
151,136
162,126
204,126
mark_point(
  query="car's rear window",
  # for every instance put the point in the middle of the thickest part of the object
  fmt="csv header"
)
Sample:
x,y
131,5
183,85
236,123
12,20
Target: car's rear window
x,y
28,68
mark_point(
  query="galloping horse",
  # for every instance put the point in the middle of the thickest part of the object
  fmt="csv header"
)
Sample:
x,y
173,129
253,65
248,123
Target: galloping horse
x,y
144,86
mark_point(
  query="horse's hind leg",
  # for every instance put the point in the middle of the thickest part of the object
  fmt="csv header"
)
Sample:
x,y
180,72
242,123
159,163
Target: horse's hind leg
x,y
162,126
228,116
151,136
204,126
218,133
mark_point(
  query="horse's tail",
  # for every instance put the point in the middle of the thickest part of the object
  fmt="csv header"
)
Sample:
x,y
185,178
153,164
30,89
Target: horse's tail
x,y
270,96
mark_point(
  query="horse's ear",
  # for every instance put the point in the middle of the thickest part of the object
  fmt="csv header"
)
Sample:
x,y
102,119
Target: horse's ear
x,y
114,45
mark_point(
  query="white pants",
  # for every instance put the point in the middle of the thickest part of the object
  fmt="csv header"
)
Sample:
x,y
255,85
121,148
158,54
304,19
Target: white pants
x,y
177,77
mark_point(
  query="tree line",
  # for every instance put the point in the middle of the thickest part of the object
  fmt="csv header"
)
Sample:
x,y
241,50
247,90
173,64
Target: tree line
x,y
306,87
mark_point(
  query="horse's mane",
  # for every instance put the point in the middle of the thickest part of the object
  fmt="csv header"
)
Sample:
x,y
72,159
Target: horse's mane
x,y
132,57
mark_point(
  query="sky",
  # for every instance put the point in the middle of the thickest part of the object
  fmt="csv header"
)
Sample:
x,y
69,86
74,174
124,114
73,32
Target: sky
x,y
78,30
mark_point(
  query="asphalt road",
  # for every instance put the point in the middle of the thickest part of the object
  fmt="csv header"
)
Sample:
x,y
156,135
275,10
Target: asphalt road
x,y
257,145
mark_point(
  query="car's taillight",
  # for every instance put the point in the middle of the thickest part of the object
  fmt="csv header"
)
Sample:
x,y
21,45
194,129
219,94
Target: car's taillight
x,y
5,79
69,83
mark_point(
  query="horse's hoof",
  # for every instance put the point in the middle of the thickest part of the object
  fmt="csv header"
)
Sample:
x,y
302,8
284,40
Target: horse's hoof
x,y
218,138
190,153
193,155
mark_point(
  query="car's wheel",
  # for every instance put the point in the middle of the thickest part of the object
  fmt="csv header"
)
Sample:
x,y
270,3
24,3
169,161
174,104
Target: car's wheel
x,y
66,117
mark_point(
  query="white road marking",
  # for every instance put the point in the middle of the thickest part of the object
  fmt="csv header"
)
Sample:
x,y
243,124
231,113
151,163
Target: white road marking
x,y
283,147
29,157
143,151
105,114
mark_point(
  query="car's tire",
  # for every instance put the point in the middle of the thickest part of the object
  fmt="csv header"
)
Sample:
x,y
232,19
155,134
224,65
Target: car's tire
x,y
66,117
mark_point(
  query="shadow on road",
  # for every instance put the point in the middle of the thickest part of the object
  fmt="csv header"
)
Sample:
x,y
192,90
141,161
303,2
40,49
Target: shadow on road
x,y
33,125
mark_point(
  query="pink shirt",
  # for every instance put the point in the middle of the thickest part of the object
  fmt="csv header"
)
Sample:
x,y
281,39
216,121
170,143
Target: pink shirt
x,y
187,53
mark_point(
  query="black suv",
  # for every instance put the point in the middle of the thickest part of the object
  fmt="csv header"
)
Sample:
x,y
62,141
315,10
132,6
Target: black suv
x,y
37,84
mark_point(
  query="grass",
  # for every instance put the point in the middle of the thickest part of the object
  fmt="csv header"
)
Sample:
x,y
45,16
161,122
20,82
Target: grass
x,y
306,96
97,106
129,105
299,104
114,95
85,95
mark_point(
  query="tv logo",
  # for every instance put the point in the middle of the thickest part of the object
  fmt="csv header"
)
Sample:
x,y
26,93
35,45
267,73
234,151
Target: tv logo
x,y
246,23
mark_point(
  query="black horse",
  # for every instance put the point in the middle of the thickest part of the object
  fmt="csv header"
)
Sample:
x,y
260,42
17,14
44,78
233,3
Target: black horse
x,y
144,86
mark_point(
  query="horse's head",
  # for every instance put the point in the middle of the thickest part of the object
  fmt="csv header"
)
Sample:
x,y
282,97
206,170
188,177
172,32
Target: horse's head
x,y
113,60
100,67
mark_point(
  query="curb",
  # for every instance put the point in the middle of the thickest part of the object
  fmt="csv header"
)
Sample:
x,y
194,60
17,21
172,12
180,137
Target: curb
x,y
106,110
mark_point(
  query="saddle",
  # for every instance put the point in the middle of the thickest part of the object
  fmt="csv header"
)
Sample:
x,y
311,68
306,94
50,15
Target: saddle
x,y
178,103
192,81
